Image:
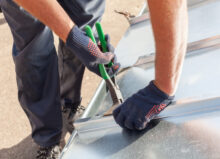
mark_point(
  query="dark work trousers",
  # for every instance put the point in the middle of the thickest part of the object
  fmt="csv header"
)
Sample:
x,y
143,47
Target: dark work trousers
x,y
40,90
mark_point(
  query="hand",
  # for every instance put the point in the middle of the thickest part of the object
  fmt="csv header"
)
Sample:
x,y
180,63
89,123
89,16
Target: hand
x,y
115,68
139,109
88,52
110,48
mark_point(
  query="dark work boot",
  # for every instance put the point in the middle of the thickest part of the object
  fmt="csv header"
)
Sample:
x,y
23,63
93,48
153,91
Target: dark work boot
x,y
70,113
52,152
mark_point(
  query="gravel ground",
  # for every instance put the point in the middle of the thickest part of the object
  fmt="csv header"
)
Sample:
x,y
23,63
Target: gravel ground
x,y
16,142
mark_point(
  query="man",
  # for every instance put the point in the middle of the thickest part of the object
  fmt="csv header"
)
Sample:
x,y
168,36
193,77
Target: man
x,y
169,21
42,90
170,25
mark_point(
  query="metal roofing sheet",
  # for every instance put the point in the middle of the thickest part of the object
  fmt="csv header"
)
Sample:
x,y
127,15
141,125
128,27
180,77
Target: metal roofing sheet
x,y
189,128
204,22
194,135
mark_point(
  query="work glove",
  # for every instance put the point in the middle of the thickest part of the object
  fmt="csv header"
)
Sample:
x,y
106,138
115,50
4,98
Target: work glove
x,y
115,68
139,109
89,53
110,48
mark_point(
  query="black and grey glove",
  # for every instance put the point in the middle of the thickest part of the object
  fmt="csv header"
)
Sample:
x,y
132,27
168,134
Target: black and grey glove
x,y
139,109
89,53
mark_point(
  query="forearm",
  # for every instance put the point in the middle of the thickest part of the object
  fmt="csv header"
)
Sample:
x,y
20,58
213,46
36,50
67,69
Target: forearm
x,y
51,14
170,25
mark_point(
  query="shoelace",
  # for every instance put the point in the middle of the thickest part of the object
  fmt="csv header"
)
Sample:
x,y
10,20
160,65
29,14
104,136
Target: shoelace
x,y
47,153
42,153
73,109
78,109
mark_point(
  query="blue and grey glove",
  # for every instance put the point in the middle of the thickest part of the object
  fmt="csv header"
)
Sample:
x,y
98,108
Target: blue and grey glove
x,y
139,109
88,52
110,48
115,68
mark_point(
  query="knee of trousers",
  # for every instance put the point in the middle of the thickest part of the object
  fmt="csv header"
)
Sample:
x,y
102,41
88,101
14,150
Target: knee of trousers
x,y
33,48
32,65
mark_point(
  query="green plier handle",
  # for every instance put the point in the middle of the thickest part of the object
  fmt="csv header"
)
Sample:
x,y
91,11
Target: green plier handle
x,y
103,42
110,82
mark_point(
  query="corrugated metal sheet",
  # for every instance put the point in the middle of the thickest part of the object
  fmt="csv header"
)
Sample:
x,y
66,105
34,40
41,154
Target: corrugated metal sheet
x,y
188,129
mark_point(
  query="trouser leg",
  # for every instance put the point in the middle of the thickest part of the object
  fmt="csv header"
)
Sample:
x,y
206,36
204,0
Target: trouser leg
x,y
82,12
37,74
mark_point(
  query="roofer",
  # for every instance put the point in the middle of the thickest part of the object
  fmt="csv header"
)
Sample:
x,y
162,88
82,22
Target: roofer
x,y
40,92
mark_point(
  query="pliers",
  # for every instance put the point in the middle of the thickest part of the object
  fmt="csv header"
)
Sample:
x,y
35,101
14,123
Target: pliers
x,y
110,82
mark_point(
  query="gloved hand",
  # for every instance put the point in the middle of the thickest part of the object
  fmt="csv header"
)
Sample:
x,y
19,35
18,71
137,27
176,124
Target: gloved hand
x,y
110,48
115,68
88,52
139,109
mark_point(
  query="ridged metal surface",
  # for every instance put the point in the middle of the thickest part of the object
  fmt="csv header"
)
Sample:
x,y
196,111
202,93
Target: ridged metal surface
x,y
196,137
189,129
